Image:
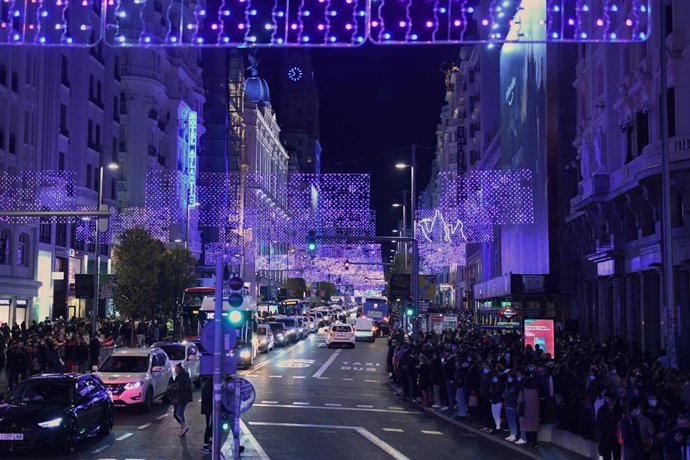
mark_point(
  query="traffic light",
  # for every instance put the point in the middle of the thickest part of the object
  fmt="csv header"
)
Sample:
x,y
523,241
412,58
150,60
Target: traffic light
x,y
409,310
311,242
236,315
347,264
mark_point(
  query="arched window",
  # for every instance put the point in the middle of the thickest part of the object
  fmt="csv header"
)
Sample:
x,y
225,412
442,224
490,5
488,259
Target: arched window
x,y
5,246
23,250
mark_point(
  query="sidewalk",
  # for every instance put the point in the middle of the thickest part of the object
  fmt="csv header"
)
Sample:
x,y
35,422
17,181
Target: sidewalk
x,y
554,444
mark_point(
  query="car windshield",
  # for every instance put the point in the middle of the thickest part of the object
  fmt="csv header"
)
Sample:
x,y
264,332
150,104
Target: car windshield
x,y
125,364
289,322
277,327
42,391
174,352
261,331
342,329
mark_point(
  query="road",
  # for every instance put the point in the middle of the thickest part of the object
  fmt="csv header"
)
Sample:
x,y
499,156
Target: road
x,y
312,402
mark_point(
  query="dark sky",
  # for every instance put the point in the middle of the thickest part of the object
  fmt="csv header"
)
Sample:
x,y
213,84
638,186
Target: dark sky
x,y
375,99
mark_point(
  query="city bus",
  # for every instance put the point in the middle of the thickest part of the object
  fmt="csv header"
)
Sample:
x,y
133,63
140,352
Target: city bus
x,y
191,306
293,307
375,308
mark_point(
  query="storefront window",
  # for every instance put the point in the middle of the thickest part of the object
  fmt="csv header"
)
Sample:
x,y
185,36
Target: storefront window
x,y
5,239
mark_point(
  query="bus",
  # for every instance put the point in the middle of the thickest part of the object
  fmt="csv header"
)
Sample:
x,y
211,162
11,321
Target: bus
x,y
293,307
375,308
192,299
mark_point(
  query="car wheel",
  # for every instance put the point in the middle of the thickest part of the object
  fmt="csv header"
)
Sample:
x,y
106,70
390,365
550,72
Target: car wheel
x,y
148,401
68,444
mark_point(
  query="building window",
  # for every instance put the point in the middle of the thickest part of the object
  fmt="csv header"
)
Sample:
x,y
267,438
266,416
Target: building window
x,y
642,131
91,87
2,139
63,120
113,188
61,161
61,234
88,176
12,147
15,82
23,250
45,231
64,71
5,247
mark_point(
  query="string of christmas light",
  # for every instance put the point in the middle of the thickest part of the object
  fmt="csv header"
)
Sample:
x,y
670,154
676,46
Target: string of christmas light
x,y
37,191
49,22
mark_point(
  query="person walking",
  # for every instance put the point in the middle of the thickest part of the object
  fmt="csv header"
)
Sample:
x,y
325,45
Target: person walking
x,y
510,398
607,429
529,413
630,434
207,412
180,391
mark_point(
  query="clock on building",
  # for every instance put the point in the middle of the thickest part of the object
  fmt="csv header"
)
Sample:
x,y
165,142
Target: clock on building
x,y
295,73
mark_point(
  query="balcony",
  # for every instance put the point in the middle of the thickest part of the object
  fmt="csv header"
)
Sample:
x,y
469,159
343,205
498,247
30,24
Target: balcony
x,y
602,187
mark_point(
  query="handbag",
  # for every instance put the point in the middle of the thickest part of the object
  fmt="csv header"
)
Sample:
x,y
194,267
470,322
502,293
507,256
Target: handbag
x,y
473,401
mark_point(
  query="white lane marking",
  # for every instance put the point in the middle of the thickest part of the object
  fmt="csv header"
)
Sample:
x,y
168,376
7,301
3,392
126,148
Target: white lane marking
x,y
325,365
380,443
349,380
333,405
323,378
299,377
371,381
432,432
275,376
161,417
393,430
300,403
269,361
364,406
395,408
144,426
124,436
99,450
252,440
360,409
135,459
269,402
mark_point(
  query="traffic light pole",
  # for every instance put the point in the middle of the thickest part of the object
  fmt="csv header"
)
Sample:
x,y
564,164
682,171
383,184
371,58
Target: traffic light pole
x,y
390,239
217,358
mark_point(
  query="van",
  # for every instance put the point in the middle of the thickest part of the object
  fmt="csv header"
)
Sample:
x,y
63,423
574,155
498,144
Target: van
x,y
364,329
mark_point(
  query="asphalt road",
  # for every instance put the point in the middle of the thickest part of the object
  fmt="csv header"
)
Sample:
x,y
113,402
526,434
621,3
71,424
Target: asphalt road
x,y
312,403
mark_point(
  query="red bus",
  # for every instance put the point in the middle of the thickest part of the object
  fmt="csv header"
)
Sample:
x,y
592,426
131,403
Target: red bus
x,y
191,306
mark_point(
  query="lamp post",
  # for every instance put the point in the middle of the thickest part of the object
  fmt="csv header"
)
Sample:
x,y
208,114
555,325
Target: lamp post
x,y
413,198
96,300
404,225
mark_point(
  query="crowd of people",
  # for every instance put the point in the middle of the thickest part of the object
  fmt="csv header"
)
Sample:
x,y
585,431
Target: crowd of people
x,y
53,346
610,392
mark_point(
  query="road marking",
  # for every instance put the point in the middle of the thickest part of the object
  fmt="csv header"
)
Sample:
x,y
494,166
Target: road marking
x,y
161,417
275,376
251,375
252,440
380,443
333,405
269,402
395,408
299,377
325,365
99,450
364,406
124,436
432,432
323,378
349,380
393,430
144,426
296,363
360,409
371,381
300,403
269,361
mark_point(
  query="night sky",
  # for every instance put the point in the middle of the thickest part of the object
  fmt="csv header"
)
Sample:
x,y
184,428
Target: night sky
x,y
375,99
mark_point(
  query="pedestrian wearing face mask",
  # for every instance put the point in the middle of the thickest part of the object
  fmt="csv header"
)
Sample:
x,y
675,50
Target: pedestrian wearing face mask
x,y
484,402
607,426
461,375
496,398
630,435
510,398
528,409
647,433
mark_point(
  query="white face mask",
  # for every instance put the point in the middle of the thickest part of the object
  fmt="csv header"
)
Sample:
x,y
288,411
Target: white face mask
x,y
652,402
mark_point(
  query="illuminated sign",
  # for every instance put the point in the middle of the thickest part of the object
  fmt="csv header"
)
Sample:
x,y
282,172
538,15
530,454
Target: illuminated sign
x,y
540,332
191,157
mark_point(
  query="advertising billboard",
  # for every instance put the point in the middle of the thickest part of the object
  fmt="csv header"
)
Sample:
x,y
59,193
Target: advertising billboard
x,y
540,332
525,247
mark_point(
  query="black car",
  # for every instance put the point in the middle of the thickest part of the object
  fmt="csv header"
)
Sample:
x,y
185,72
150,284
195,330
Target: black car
x,y
279,334
292,330
55,410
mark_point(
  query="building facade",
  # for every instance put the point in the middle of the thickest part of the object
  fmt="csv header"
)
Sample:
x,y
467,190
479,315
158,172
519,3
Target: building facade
x,y
615,214
78,110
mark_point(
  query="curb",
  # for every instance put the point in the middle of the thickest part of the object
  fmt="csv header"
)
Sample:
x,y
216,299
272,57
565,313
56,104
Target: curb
x,y
478,432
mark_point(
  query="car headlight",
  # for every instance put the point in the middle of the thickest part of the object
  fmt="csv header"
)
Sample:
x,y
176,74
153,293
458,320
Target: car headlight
x,y
133,385
281,336
245,354
54,423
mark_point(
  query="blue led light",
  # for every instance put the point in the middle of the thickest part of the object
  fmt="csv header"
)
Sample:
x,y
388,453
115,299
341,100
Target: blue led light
x,y
414,37
360,39
199,39
253,12
470,9
44,14
332,39
556,8
613,36
554,35
226,12
333,13
226,39
306,13
305,38
362,13
16,13
442,10
387,36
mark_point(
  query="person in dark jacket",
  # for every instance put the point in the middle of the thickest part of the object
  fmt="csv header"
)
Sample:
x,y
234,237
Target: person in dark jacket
x,y
607,429
510,398
496,388
677,439
94,350
207,412
180,392
630,432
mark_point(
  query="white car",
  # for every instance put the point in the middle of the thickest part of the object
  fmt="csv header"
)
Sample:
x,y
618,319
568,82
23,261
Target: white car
x,y
184,353
340,333
136,376
364,329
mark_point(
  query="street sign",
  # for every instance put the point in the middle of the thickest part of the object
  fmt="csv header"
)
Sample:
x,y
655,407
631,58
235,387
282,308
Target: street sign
x,y
84,286
229,336
400,286
247,395
229,364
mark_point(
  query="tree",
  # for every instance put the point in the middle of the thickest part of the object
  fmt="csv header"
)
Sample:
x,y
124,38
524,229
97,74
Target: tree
x,y
137,262
176,274
295,287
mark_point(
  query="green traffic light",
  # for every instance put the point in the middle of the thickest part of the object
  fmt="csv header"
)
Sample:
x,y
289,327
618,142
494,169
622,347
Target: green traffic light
x,y
225,426
235,316
311,246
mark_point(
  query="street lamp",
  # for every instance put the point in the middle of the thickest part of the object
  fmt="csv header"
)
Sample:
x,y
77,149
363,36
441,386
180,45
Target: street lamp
x,y
112,166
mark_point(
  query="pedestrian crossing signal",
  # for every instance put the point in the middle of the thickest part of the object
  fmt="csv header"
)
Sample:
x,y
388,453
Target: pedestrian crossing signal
x,y
311,242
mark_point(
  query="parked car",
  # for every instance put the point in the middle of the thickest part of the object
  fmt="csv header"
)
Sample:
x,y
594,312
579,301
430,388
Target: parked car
x,y
184,353
280,336
136,376
292,329
340,334
55,411
266,339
